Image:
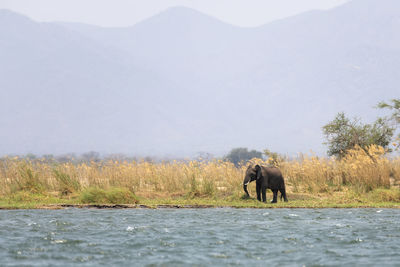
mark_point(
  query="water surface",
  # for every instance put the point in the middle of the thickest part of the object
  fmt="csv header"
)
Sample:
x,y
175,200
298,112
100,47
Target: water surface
x,y
174,237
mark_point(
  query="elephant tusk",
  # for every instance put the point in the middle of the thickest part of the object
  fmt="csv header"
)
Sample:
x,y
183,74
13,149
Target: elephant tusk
x,y
246,183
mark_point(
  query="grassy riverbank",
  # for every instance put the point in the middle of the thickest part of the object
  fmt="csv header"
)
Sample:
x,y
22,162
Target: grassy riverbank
x,y
361,179
379,198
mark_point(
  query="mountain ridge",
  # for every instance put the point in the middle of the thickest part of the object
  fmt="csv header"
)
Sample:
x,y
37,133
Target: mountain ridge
x,y
167,88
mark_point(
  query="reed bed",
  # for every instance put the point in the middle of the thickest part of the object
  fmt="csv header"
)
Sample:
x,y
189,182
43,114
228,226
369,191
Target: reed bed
x,y
360,170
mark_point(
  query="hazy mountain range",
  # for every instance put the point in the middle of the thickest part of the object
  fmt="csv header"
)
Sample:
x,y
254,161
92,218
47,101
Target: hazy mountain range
x,y
182,82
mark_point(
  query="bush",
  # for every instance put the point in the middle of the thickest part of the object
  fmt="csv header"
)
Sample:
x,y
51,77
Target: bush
x,y
208,187
27,196
194,188
29,181
385,195
113,195
67,185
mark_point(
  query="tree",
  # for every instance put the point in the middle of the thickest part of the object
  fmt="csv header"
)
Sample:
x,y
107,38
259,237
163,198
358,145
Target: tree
x,y
241,154
70,157
30,156
343,134
395,117
274,157
395,106
91,156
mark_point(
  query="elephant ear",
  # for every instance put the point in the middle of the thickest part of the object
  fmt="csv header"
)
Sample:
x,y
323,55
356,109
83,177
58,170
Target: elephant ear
x,y
258,171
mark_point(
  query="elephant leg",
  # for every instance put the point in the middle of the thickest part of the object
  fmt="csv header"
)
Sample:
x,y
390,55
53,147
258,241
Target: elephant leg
x,y
274,200
283,194
258,189
264,194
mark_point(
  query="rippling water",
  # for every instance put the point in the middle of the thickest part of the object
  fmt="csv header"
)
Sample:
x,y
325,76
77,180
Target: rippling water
x,y
200,237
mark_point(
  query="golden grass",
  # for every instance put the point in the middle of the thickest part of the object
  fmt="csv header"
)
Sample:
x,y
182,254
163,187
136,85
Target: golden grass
x,y
360,172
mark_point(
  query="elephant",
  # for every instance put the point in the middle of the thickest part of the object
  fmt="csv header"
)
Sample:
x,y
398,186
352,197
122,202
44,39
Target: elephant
x,y
265,177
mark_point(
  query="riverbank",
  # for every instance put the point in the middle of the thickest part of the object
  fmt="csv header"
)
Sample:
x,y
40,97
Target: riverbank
x,y
361,179
380,198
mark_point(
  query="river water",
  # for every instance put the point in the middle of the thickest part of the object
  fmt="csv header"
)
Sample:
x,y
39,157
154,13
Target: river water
x,y
202,237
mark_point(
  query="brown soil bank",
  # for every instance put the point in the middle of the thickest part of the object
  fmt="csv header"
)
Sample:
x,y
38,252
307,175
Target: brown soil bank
x,y
129,206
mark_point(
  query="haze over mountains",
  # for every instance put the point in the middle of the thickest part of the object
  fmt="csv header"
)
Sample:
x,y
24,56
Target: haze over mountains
x,y
183,82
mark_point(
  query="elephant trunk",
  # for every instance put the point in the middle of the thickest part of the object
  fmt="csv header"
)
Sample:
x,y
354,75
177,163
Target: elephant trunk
x,y
245,189
245,183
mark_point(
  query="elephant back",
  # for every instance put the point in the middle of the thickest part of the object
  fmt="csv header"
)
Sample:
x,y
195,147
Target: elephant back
x,y
272,171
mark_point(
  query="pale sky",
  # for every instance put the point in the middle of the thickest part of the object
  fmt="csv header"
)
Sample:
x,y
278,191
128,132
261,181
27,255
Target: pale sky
x,y
245,13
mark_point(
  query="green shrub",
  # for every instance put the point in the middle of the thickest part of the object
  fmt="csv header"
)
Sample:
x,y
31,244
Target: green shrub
x,y
67,185
27,196
113,195
29,181
208,187
385,195
121,195
194,188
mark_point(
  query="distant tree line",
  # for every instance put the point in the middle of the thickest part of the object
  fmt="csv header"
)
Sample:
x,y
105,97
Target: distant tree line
x,y
91,156
94,156
242,155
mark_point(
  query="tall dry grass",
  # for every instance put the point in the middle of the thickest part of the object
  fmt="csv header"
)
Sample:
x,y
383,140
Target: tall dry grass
x,y
361,170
